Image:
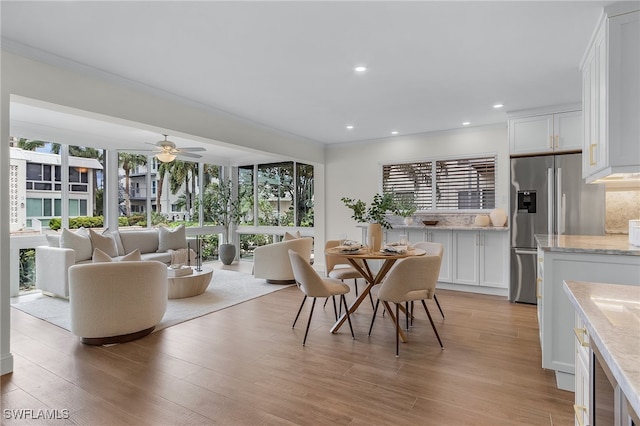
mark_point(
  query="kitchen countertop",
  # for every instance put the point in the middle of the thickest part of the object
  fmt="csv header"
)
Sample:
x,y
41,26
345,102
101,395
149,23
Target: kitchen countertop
x,y
599,244
451,227
612,317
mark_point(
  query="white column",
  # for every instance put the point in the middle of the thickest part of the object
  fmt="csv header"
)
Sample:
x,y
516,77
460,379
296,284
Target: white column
x,y
64,178
111,210
6,358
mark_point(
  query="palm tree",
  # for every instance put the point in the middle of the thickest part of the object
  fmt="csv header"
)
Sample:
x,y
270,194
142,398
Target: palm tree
x,y
184,173
128,162
29,144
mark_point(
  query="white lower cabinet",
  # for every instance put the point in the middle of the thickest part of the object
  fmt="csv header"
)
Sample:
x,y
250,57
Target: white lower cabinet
x,y
480,258
581,406
444,238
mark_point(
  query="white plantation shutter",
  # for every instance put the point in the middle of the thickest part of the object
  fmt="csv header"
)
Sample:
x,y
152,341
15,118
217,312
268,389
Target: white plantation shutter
x,y
460,184
409,179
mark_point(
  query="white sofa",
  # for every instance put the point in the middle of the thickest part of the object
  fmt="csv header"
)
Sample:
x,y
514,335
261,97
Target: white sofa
x,y
116,302
272,263
70,248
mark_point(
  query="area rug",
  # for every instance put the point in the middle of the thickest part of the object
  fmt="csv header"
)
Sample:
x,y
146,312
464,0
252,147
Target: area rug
x,y
227,288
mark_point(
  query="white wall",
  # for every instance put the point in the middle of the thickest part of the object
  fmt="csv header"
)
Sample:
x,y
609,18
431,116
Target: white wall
x,y
354,170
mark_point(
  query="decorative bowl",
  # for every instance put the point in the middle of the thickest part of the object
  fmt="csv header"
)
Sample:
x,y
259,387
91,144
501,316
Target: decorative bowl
x,y
430,222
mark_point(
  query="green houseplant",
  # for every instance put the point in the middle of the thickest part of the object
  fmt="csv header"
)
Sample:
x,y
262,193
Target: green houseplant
x,y
224,208
374,214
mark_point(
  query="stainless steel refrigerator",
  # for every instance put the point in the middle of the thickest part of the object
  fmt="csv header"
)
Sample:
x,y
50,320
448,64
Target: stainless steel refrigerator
x,y
548,196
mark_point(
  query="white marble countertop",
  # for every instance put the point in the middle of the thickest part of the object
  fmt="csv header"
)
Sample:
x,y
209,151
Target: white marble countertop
x,y
418,227
612,316
600,244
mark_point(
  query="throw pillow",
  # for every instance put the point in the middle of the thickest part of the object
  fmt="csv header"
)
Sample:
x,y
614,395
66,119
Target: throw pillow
x,y
99,256
288,236
134,256
79,241
53,240
106,243
117,239
171,238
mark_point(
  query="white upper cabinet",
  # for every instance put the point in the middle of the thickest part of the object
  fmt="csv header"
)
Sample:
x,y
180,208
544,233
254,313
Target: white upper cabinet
x,y
611,97
546,133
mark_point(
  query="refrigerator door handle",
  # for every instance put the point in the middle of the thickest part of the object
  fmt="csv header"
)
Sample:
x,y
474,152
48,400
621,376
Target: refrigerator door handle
x,y
550,201
559,205
525,251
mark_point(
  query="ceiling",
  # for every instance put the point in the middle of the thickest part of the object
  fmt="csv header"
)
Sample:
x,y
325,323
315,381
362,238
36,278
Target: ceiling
x,y
290,65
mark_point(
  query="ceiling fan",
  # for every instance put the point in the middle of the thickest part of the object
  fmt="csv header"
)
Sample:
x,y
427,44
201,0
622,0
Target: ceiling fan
x,y
167,151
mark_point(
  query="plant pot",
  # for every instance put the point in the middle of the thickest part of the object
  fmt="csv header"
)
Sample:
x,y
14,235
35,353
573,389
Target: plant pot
x,y
374,236
227,253
408,220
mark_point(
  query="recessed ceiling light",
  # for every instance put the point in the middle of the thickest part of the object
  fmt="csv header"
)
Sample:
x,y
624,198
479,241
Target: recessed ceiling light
x,y
360,68
498,106
466,123
395,132
349,127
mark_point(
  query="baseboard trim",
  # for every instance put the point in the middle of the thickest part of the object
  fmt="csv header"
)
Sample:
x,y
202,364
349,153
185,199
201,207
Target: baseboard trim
x,y
6,364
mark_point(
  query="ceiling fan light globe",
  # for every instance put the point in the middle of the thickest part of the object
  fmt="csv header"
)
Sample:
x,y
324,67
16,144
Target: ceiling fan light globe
x,y
165,157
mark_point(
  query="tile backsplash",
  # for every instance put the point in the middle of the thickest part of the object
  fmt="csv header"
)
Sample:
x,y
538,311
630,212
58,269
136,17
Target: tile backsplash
x,y
621,207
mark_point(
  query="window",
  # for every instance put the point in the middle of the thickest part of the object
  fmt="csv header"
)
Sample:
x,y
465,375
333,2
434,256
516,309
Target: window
x,y
460,184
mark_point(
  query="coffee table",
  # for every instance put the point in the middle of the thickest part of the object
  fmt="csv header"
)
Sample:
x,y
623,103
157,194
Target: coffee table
x,y
190,285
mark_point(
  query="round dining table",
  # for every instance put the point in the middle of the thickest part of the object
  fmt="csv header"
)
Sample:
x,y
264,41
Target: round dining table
x,y
359,259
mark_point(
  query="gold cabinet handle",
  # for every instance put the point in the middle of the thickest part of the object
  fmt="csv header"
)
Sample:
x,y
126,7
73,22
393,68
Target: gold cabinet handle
x,y
557,141
538,281
578,409
580,333
550,141
592,162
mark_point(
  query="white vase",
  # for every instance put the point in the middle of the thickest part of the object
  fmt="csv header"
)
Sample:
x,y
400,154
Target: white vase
x,y
498,217
408,220
374,236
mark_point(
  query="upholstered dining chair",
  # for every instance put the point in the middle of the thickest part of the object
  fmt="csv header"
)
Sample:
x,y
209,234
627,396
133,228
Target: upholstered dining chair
x,y
339,268
412,279
432,249
313,285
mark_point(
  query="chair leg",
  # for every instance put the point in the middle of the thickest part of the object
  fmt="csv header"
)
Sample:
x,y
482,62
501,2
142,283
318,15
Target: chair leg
x,y
438,303
397,330
375,311
371,299
432,324
325,303
344,302
335,310
407,315
309,322
304,299
355,284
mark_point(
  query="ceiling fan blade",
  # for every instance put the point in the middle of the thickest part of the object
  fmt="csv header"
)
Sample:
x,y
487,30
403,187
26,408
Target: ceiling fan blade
x,y
192,149
188,154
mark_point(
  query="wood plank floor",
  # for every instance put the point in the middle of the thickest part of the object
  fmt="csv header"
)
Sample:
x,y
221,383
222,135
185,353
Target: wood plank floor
x,y
244,365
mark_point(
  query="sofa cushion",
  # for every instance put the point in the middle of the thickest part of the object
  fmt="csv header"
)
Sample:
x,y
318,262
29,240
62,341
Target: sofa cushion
x,y
79,241
99,256
171,239
105,243
145,240
116,238
164,257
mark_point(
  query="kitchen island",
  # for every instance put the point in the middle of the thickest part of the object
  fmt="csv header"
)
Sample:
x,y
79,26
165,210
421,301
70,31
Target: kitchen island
x,y
608,317
607,259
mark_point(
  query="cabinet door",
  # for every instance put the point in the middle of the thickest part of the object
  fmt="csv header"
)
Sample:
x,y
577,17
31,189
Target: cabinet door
x,y
531,134
493,259
567,127
466,247
444,238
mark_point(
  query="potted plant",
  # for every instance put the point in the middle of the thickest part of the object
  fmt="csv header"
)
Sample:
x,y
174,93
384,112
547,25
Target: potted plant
x,y
225,209
373,214
405,207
